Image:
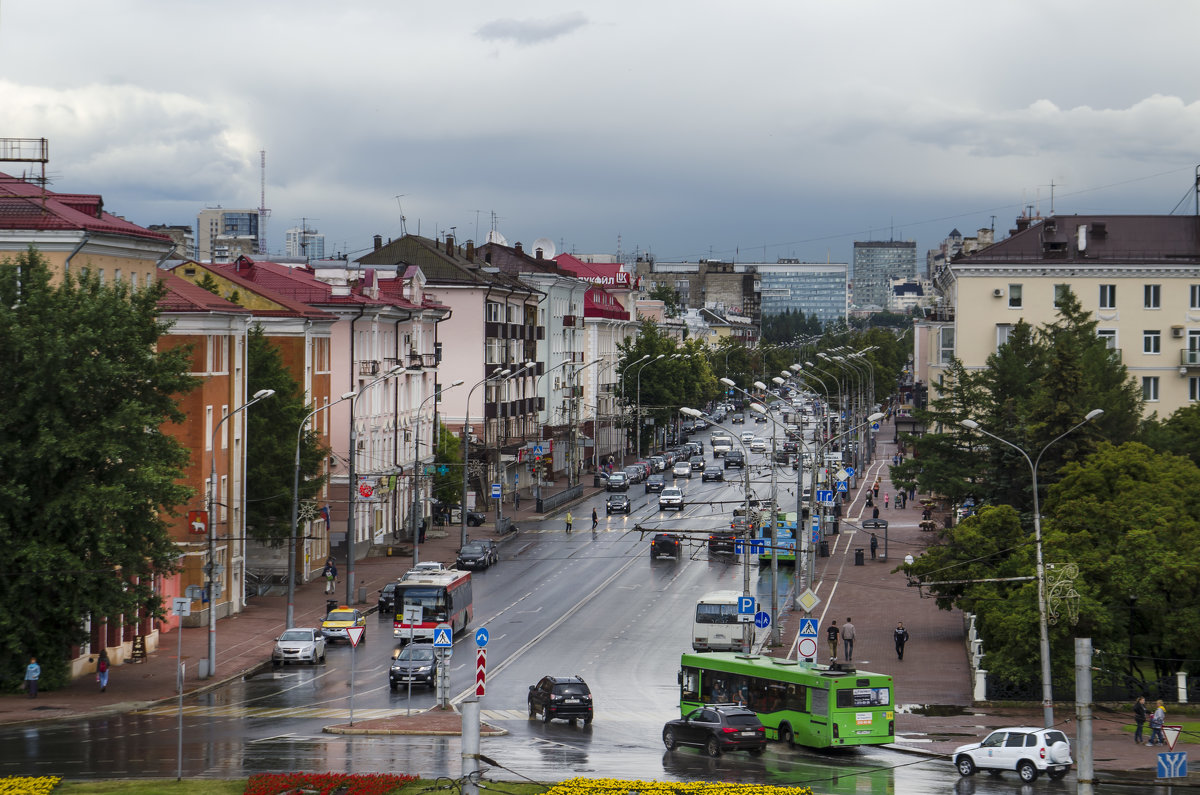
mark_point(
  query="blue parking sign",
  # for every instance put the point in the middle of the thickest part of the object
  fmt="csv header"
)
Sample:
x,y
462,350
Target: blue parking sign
x,y
746,605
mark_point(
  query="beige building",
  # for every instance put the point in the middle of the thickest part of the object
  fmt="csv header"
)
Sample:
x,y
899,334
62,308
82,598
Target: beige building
x,y
1138,276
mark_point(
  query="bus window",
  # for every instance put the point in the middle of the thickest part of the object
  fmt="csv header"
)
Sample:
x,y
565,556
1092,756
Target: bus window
x,y
820,701
689,685
863,697
716,614
796,700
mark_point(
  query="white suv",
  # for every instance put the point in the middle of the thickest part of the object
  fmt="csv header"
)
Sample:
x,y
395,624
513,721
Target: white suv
x,y
1029,751
670,498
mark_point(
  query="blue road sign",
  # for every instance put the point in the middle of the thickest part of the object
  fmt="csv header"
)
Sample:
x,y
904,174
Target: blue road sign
x,y
481,637
495,491
1172,764
816,535
843,486
824,496
808,627
850,471
762,619
875,426
443,638
746,605
537,450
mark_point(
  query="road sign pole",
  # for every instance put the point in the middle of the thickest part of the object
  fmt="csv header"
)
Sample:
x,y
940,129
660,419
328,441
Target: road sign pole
x,y
480,671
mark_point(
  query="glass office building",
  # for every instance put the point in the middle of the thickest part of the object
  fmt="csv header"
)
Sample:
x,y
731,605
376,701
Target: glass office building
x,y
811,288
876,263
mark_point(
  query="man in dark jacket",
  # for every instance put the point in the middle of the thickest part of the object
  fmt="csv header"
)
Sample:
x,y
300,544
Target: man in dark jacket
x,y
900,635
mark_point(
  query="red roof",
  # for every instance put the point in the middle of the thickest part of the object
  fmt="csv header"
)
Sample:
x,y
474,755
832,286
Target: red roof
x,y
183,296
29,206
608,274
302,285
598,302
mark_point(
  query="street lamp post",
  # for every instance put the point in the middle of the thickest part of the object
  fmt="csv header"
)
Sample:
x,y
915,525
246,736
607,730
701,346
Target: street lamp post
x,y
259,396
624,400
416,496
351,520
1043,625
466,440
638,421
291,600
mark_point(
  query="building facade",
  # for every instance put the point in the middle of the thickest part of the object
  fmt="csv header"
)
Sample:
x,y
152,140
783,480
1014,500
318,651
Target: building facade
x,y
809,288
875,264
223,235
304,244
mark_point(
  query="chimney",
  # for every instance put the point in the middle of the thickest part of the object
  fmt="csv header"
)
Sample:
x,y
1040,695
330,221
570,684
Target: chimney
x,y
1022,223
537,253
518,248
378,242
470,251
450,245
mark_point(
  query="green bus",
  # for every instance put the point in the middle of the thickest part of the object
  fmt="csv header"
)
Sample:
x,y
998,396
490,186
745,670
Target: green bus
x,y
815,706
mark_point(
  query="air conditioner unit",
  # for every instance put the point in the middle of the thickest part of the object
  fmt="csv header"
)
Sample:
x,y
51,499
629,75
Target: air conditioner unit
x,y
998,292
1177,331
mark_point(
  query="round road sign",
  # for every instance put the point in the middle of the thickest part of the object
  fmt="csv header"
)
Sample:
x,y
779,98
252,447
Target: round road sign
x,y
807,648
365,489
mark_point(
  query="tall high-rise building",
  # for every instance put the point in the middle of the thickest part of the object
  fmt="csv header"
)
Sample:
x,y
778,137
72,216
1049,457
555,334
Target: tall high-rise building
x,y
876,263
304,243
223,235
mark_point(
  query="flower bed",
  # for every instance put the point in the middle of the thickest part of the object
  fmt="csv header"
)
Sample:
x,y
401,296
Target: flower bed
x,y
28,785
323,783
612,786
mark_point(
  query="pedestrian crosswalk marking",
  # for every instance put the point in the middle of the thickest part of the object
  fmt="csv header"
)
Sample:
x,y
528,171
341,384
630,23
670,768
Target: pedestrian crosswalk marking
x,y
342,714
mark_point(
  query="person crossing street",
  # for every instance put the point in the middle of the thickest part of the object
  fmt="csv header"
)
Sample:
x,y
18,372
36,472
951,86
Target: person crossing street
x,y
595,519
570,519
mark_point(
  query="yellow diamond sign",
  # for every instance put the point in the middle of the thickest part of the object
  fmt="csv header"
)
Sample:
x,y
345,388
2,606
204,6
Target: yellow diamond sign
x,y
807,600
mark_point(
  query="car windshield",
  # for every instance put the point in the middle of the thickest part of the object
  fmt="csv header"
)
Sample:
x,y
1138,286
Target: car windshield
x,y
340,615
430,599
415,654
297,634
1053,737
743,721
571,689
474,547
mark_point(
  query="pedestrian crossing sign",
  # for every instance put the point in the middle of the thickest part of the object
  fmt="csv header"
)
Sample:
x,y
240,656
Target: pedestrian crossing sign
x,y
808,627
442,638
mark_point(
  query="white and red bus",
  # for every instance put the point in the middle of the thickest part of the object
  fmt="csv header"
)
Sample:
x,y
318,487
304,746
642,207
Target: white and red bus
x,y
444,597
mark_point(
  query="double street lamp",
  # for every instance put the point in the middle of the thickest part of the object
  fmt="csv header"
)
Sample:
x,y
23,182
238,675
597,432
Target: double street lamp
x,y
1043,624
416,474
638,414
291,600
211,568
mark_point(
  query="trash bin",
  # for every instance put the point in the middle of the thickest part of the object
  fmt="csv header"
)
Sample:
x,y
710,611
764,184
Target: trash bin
x,y
362,595
823,549
858,557
331,604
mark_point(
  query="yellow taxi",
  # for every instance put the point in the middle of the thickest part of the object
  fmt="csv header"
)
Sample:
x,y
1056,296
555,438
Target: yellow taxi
x,y
339,620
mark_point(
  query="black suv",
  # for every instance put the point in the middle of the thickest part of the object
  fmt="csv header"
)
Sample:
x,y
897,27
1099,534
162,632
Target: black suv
x,y
416,663
666,545
387,598
735,458
618,503
721,542
655,483
717,728
566,697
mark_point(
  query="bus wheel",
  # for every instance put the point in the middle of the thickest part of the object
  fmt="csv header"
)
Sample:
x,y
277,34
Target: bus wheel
x,y
786,736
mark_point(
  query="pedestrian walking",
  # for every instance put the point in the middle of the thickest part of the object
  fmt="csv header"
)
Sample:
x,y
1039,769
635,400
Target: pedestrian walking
x,y
102,670
330,574
424,527
875,490
875,512
887,496
870,501
912,493
516,500
1156,725
896,460
1139,715
900,636
33,672
874,546
595,519
570,519
848,639
832,633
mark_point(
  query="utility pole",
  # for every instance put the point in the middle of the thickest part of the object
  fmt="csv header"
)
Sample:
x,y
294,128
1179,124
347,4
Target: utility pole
x,y
1085,773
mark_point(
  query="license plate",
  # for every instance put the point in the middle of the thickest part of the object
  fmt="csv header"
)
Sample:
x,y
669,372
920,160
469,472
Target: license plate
x,y
571,701
748,734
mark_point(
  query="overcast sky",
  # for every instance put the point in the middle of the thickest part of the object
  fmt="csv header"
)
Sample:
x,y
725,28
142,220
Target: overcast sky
x,y
755,130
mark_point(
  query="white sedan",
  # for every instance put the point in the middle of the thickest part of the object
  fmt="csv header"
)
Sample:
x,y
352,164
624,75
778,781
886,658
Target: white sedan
x,y
682,470
758,445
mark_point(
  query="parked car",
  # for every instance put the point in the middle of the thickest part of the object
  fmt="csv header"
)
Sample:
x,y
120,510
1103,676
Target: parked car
x,y
657,463
666,545
338,622
713,474
299,644
682,470
618,503
416,663
618,481
1029,751
697,463
717,728
476,555
636,473
447,513
670,498
647,468
735,458
387,599
567,697
655,483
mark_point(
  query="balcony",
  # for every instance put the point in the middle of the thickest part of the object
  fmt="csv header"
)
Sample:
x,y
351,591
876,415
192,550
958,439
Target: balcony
x,y
422,361
1189,358
368,368
568,321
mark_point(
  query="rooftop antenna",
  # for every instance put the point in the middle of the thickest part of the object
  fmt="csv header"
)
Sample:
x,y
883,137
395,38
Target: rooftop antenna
x,y
263,212
403,230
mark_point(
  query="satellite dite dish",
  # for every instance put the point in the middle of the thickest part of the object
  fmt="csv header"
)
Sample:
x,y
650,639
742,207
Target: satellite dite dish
x,y
497,238
547,247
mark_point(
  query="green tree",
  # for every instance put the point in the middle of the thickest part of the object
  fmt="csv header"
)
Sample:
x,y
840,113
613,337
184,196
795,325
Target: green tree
x,y
683,376
448,487
271,428
88,477
1178,434
663,292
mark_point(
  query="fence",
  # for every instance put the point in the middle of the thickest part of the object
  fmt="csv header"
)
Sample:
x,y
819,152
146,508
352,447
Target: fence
x,y
549,503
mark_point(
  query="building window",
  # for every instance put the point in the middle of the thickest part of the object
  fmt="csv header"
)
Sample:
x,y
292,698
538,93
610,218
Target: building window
x,y
1193,389
1003,332
1150,388
495,351
945,344
1151,341
1152,294
1109,335
1060,293
1194,301
511,316
495,312
1108,296
1014,296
